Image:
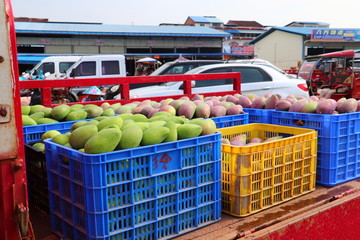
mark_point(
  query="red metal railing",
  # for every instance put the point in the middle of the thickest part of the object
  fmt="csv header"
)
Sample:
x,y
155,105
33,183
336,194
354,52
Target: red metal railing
x,y
46,85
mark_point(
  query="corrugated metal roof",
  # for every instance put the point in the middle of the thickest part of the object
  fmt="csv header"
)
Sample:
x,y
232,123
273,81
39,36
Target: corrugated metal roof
x,y
124,30
305,31
205,19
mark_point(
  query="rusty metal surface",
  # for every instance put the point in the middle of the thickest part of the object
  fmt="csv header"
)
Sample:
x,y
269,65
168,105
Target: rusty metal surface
x,y
229,227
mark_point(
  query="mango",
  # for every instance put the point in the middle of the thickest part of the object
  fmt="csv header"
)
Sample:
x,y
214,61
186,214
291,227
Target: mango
x,y
239,140
168,109
78,124
60,112
126,123
327,106
348,106
156,118
187,109
142,125
81,135
89,106
61,139
76,115
235,110
173,135
258,103
125,116
37,115
202,110
25,110
298,105
138,118
131,138
104,141
94,111
164,113
177,103
47,112
273,139
77,106
157,123
196,120
310,107
50,134
175,119
110,121
108,112
218,111
283,105
123,109
39,146
271,102
225,141
154,135
93,122
36,108
27,120
188,130
67,145
244,101
46,121
105,105
208,126
100,118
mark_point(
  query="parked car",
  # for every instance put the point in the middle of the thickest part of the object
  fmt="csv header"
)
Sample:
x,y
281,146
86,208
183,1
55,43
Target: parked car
x,y
169,68
258,61
256,79
181,67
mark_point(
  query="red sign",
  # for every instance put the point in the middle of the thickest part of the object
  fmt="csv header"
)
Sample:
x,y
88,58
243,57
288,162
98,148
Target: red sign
x,y
164,160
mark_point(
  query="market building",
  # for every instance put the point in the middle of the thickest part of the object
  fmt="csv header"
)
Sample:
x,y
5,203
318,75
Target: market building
x,y
162,42
287,46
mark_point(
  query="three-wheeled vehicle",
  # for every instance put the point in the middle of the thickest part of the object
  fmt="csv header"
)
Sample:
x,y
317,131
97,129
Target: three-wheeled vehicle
x,y
333,75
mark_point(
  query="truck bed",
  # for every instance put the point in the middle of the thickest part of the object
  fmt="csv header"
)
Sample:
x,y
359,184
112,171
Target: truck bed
x,y
258,225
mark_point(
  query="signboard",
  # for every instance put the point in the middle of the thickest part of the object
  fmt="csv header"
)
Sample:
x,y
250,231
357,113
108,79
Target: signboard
x,y
238,48
343,35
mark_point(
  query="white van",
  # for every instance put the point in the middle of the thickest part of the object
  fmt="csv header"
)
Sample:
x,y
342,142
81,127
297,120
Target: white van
x,y
55,66
98,66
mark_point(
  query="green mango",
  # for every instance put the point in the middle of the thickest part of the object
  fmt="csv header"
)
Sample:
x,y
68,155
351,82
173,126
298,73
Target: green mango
x,y
81,135
154,135
104,141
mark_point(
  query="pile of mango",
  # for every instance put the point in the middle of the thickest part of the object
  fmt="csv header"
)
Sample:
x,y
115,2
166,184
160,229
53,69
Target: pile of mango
x,y
241,140
39,114
105,134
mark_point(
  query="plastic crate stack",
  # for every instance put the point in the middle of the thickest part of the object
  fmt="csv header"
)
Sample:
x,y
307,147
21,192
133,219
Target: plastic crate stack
x,y
150,192
257,177
338,143
259,115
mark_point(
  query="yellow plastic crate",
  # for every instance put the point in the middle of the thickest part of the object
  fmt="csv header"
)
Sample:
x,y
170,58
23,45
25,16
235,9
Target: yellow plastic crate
x,y
260,176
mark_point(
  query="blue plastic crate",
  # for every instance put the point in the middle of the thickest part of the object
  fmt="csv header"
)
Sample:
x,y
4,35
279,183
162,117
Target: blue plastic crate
x,y
338,143
232,120
259,115
119,193
33,133
164,228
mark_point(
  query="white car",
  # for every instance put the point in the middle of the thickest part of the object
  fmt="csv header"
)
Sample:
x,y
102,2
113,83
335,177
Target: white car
x,y
256,79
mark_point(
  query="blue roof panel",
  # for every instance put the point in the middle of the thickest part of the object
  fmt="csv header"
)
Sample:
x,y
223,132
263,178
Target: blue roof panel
x,y
125,30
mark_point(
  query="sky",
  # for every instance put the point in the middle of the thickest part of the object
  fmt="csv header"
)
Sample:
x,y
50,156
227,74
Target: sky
x,y
339,14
